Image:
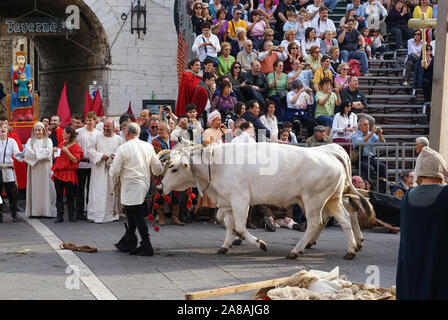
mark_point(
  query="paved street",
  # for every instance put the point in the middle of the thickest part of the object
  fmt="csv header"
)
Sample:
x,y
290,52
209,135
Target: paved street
x,y
185,260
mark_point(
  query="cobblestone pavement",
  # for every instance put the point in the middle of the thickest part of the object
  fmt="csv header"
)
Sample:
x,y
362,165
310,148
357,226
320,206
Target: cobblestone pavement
x,y
185,260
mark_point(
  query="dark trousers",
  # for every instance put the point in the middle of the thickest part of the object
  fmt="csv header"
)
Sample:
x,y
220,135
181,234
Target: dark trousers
x,y
83,178
69,192
11,191
369,166
251,93
136,220
400,33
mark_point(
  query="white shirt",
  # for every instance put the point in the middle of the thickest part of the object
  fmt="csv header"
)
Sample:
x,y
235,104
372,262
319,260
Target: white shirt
x,y
133,163
8,147
210,50
300,31
342,122
84,139
244,137
301,103
306,45
285,44
322,26
311,9
272,125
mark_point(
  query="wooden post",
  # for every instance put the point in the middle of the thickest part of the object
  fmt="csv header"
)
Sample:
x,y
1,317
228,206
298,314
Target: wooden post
x,y
438,132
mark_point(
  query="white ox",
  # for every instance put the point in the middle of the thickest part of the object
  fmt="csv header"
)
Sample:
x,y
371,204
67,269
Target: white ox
x,y
236,176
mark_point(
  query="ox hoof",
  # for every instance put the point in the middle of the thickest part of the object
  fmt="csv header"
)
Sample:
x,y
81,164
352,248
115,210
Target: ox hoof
x,y
263,245
349,256
223,251
293,255
359,247
309,245
237,242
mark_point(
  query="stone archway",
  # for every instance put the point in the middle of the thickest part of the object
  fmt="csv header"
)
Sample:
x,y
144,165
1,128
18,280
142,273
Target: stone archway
x,y
61,59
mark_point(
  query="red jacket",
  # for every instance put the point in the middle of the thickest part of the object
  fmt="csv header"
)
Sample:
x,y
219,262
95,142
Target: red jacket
x,y
63,168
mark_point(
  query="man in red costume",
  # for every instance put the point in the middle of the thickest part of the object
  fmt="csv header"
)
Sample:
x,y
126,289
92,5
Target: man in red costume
x,y
188,85
204,93
19,167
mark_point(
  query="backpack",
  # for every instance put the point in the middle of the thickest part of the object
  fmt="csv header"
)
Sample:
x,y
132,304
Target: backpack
x,y
354,70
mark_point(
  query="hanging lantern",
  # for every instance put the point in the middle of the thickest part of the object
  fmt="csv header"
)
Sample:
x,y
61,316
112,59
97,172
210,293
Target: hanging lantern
x,y
138,19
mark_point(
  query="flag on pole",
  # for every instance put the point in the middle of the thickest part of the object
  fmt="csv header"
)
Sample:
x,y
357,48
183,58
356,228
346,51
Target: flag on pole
x,y
97,105
130,109
88,101
63,109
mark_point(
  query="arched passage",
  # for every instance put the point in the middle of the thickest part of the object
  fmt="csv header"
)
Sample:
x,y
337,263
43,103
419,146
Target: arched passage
x,y
61,59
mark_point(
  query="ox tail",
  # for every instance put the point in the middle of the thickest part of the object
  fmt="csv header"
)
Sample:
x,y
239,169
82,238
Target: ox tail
x,y
346,162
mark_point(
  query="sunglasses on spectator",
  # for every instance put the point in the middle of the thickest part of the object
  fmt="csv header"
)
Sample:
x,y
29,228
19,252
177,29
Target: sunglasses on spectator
x,y
237,67
198,8
346,69
154,127
294,48
417,34
238,13
269,35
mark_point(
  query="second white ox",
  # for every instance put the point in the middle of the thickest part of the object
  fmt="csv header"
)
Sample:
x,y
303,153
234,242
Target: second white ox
x,y
236,176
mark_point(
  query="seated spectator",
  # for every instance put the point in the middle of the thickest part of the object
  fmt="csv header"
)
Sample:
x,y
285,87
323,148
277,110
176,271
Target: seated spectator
x,y
335,62
269,119
377,46
359,183
238,42
299,100
290,37
313,10
207,44
369,162
424,7
406,182
344,124
277,87
236,5
414,53
397,21
327,43
218,83
302,24
319,137
206,13
269,56
284,137
197,19
323,24
348,43
235,23
246,56
254,84
225,59
239,109
314,58
203,95
220,25
268,35
209,66
256,27
423,75
360,13
354,95
349,14
287,125
300,73
267,9
310,41
376,15
246,133
290,24
235,76
341,81
224,103
294,52
365,32
327,100
251,115
323,72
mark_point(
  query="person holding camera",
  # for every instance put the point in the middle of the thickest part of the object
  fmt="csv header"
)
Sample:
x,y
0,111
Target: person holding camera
x,y
397,21
270,55
348,40
344,124
327,100
298,100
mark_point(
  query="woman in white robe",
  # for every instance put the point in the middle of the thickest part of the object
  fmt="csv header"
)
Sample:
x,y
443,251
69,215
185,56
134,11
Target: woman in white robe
x,y
40,191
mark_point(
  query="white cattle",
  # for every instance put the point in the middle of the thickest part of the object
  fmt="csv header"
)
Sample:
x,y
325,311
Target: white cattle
x,y
236,176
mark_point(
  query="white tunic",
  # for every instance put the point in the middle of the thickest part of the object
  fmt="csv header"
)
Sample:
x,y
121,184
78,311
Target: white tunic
x,y
102,202
40,191
8,147
84,139
133,163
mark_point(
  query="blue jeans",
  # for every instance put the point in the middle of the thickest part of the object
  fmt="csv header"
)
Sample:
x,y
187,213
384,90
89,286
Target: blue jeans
x,y
331,4
325,120
380,50
399,33
358,55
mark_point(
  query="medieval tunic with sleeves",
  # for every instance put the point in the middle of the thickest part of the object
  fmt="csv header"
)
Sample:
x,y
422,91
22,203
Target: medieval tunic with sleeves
x,y
133,163
40,191
101,192
84,139
8,148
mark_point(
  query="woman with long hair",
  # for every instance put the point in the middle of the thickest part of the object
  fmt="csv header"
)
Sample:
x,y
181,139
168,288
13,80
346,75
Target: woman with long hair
x,y
67,156
40,192
220,25
270,120
224,102
256,27
267,9
238,43
310,41
344,124
349,14
197,18
235,75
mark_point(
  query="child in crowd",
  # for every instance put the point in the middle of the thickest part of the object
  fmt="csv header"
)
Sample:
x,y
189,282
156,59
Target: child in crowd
x,y
284,137
291,23
377,46
288,126
193,123
368,41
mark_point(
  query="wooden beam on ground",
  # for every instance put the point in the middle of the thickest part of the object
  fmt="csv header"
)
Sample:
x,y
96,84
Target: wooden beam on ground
x,y
234,289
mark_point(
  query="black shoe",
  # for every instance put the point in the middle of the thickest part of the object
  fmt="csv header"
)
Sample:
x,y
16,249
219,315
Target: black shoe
x,y
72,219
16,218
299,227
59,220
269,226
128,242
143,250
81,216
